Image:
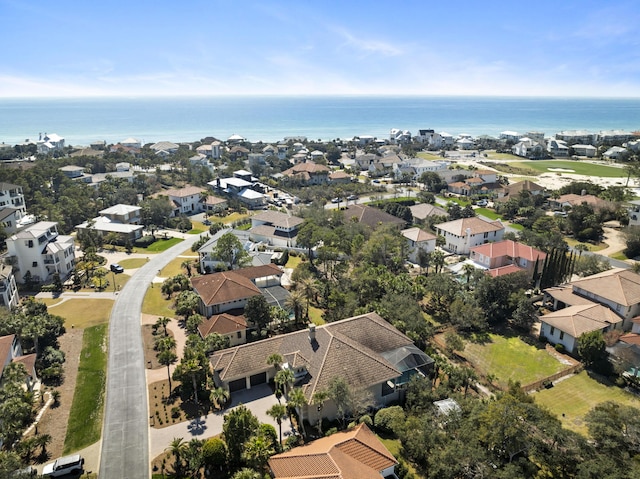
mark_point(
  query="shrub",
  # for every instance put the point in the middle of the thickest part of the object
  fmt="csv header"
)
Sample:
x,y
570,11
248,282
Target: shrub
x,y
331,431
560,348
145,241
388,420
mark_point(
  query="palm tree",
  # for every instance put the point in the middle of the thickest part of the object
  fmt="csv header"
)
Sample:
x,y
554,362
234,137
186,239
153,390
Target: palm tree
x,y
167,357
437,259
163,322
283,379
219,396
177,447
275,360
165,343
246,473
295,302
318,399
257,451
43,440
192,367
297,400
468,270
278,412
308,289
187,266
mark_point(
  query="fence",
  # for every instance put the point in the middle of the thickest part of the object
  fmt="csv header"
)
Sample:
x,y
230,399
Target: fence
x,y
576,368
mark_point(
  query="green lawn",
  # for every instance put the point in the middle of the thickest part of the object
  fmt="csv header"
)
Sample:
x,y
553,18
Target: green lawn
x,y
578,167
174,268
133,263
85,418
462,202
197,231
488,213
511,358
154,303
163,245
293,262
516,226
576,396
83,312
591,247
619,256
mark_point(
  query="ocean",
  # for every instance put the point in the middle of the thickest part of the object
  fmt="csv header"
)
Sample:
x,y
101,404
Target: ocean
x,y
271,118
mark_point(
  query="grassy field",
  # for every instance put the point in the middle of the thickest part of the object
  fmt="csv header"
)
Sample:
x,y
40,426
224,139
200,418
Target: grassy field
x,y
591,247
87,409
572,398
162,245
154,303
511,358
174,268
232,217
492,155
83,312
488,213
462,202
293,262
133,263
515,168
619,256
578,167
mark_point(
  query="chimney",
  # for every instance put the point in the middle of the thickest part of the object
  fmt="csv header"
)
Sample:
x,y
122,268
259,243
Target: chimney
x,y
583,192
312,333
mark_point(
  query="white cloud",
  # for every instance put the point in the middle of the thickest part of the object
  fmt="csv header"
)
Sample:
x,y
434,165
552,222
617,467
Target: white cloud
x,y
368,45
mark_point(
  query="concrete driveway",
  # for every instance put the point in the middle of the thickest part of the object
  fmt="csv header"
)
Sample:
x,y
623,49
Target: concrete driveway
x,y
258,400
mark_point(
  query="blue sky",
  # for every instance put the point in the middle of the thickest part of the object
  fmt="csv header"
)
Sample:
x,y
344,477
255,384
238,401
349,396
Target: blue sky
x,y
226,47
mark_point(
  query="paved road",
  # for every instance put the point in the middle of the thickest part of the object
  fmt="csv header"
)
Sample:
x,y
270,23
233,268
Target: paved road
x,y
125,435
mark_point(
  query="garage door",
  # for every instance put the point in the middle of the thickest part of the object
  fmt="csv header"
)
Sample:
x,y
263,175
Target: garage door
x,y
237,385
258,379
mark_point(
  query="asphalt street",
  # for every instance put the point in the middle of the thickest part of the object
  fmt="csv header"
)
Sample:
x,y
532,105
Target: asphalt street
x,y
125,435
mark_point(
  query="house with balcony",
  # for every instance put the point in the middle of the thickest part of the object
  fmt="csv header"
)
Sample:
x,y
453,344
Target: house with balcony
x,y
49,143
11,352
121,220
528,148
463,234
418,239
498,255
336,456
558,148
9,297
41,252
10,219
576,137
275,228
617,289
11,196
308,173
185,201
366,351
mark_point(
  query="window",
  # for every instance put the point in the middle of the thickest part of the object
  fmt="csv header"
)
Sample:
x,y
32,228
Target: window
x,y
552,331
561,335
239,334
34,264
486,235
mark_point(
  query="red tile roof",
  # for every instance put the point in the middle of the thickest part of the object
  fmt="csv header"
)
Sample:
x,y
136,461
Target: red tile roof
x,y
509,248
222,324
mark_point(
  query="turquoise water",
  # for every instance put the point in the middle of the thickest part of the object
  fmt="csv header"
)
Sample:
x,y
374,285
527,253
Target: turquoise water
x,y
270,119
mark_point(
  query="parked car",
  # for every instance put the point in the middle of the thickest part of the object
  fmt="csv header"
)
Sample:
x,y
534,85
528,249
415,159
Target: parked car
x,y
352,197
337,199
116,268
482,202
63,466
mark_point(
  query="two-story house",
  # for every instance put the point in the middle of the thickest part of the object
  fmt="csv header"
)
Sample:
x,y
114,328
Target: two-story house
x,y
49,143
11,352
308,173
11,196
275,228
9,297
418,239
463,234
186,201
495,256
41,251
121,220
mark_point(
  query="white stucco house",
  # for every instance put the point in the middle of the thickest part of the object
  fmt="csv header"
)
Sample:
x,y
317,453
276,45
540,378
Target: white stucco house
x,y
463,234
418,239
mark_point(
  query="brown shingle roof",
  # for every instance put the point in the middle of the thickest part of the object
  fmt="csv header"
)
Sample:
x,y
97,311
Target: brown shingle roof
x,y
355,454
183,192
577,320
277,218
424,210
350,348
223,287
619,285
308,167
370,216
222,324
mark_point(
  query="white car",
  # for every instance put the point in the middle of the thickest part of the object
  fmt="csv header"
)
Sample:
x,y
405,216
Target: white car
x,y
63,466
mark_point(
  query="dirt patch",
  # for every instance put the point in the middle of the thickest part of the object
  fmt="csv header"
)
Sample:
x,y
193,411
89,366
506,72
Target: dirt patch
x,y
54,421
150,354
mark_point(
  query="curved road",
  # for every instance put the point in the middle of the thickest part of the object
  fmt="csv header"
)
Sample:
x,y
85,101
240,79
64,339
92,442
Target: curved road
x,y
125,434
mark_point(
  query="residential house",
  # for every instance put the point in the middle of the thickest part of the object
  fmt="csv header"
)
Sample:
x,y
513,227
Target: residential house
x,y
131,143
567,325
372,217
259,255
573,137
10,219
11,196
213,204
508,135
422,211
9,297
40,251
515,189
463,234
614,153
227,325
238,152
235,139
418,166
356,453
633,145
164,148
339,177
558,148
75,173
308,173
613,137
230,290
480,182
570,200
49,143
588,151
507,252
618,289
121,220
430,138
465,144
399,137
529,148
186,201
275,228
366,351
634,213
11,352
418,239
